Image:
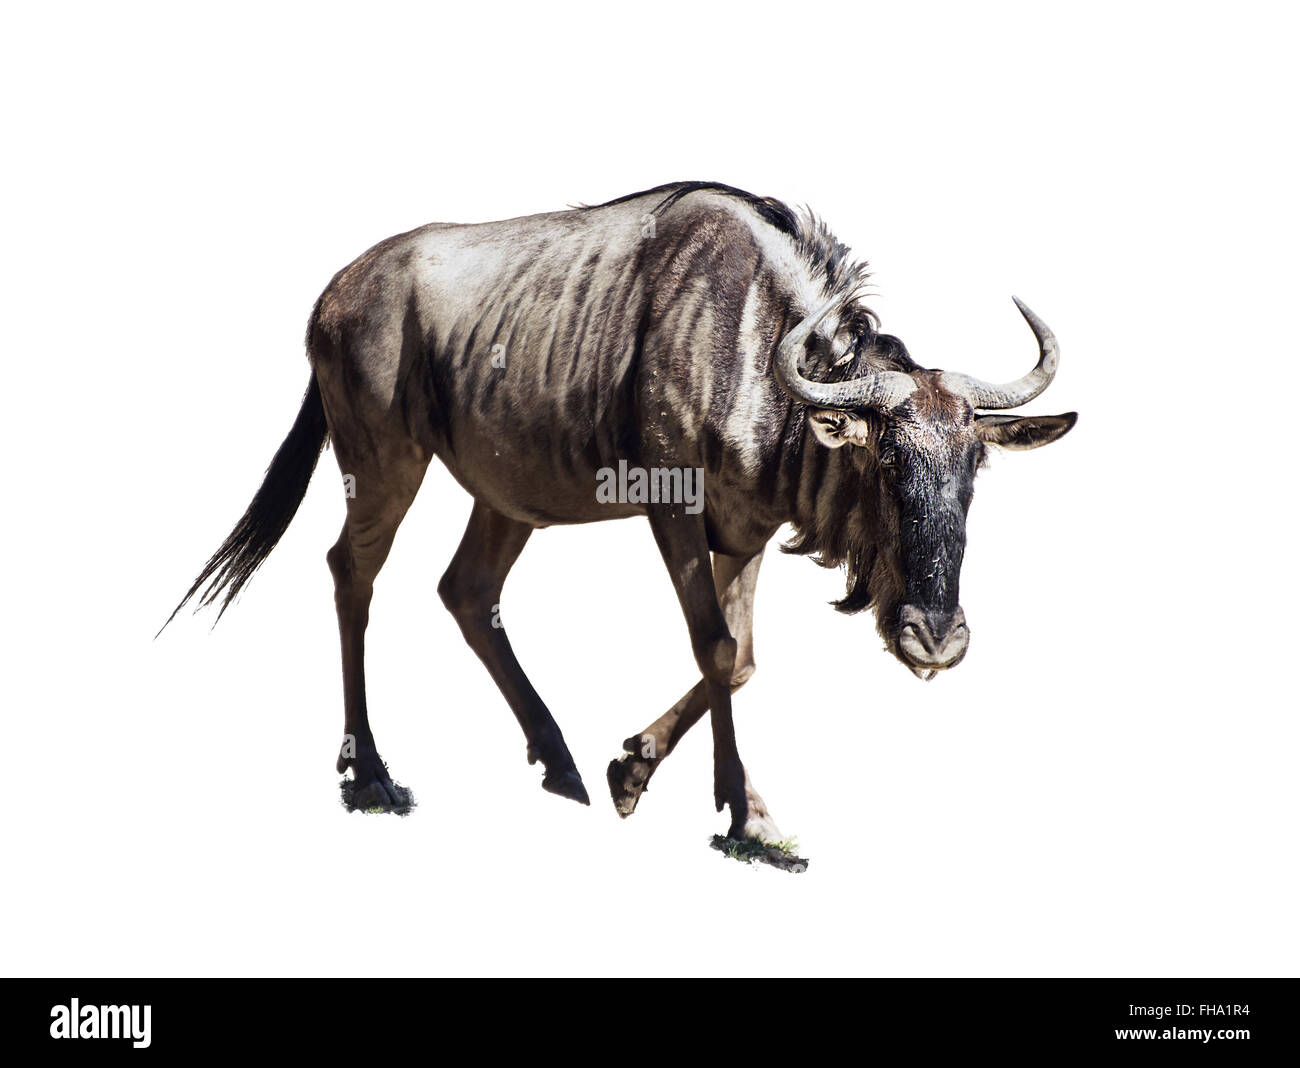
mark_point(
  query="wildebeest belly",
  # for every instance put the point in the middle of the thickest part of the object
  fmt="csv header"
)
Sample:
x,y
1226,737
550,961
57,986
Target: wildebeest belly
x,y
531,478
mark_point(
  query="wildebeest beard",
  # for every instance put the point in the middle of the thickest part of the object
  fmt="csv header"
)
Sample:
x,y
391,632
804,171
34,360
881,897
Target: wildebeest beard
x,y
848,538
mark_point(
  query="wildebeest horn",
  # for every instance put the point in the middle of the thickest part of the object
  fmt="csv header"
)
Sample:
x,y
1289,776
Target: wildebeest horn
x,y
1013,394
882,390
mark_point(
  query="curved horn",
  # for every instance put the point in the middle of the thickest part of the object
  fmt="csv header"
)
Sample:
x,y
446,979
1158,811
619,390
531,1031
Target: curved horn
x,y
1013,394
883,390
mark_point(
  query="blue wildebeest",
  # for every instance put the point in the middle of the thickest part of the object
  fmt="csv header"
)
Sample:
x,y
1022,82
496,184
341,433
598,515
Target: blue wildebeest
x,y
689,328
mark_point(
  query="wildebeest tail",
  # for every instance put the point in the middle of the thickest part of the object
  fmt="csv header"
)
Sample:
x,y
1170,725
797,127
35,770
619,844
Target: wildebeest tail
x,y
269,514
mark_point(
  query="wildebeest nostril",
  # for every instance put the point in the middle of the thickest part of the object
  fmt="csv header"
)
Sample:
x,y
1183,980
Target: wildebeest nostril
x,y
919,632
911,616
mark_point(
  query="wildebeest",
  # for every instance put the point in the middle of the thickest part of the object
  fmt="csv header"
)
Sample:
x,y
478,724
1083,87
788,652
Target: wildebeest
x,y
688,328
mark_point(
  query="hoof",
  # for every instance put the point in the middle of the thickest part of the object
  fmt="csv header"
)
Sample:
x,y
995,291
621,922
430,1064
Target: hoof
x,y
749,850
628,779
567,784
378,794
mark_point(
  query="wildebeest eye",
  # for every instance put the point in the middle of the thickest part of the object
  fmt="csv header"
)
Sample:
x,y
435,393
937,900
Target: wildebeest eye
x,y
890,459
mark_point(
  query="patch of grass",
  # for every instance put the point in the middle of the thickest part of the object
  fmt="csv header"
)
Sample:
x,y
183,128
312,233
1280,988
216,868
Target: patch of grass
x,y
749,851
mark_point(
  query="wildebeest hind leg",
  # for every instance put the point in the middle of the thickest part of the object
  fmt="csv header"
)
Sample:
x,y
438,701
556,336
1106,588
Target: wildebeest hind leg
x,y
383,492
471,590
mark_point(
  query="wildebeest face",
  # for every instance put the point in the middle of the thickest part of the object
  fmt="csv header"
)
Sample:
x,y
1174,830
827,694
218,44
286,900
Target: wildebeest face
x,y
918,464
918,438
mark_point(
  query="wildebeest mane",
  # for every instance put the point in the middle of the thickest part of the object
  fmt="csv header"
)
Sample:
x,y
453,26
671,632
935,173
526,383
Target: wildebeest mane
x,y
824,254
772,210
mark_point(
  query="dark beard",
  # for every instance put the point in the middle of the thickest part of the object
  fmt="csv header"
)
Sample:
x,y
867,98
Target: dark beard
x,y
839,549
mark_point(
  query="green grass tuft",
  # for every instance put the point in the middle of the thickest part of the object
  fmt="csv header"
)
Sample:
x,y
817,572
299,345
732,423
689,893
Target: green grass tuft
x,y
749,851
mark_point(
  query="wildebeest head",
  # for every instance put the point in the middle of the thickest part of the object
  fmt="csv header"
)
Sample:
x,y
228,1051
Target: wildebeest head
x,y
918,437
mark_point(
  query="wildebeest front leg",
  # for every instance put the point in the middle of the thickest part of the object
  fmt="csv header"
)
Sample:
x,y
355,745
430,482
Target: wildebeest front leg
x,y
735,579
684,546
471,590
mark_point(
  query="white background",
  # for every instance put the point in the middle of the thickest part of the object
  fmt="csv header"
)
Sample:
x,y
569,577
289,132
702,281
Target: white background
x,y
1105,786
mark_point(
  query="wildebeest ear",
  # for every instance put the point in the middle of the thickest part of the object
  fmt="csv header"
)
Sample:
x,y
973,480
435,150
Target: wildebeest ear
x,y
1023,431
834,429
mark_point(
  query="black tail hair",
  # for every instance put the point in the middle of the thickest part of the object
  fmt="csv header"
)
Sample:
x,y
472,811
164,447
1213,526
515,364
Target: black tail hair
x,y
268,516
